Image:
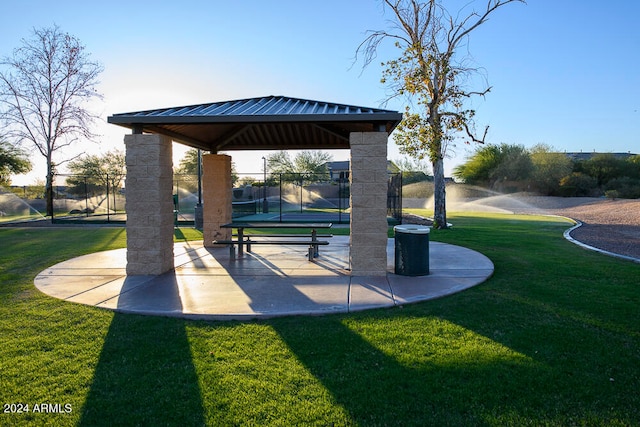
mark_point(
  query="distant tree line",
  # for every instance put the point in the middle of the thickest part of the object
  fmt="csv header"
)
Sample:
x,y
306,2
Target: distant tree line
x,y
95,175
305,164
511,167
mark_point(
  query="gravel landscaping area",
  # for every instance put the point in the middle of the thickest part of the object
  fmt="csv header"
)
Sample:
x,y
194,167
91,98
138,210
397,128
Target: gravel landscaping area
x,y
610,225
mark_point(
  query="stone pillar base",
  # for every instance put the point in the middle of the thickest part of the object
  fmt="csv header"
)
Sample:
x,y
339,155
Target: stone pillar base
x,y
368,177
149,204
216,197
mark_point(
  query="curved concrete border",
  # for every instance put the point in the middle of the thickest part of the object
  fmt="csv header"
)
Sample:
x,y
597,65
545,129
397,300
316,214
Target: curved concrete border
x,y
567,235
272,281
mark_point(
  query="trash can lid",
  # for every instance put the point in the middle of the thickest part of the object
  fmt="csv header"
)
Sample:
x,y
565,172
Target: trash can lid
x,y
412,229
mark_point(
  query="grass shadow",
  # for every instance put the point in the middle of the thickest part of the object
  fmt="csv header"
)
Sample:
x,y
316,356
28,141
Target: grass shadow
x,y
145,376
113,239
178,235
369,375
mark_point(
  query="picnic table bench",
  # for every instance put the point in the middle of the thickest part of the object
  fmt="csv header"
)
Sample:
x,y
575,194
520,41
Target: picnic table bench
x,y
311,239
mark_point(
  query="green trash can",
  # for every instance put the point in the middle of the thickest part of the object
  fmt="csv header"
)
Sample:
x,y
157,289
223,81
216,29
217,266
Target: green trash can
x,y
411,250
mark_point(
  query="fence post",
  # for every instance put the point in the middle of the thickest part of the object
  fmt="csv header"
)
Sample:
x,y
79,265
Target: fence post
x,y
280,196
108,205
86,201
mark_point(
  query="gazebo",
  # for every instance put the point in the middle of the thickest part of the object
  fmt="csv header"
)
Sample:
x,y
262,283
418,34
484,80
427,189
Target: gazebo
x,y
265,123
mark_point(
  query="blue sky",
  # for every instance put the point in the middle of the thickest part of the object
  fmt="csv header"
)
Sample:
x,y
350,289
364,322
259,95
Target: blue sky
x,y
563,72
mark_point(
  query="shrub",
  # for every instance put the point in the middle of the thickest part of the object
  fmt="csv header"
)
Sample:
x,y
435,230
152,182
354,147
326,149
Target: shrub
x,y
611,194
625,187
578,184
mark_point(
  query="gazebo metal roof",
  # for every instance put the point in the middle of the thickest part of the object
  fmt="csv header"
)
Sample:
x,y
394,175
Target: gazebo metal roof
x,y
266,123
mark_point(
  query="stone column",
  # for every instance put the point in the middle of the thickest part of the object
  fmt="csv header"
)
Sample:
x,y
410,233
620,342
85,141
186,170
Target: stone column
x,y
216,197
368,178
149,205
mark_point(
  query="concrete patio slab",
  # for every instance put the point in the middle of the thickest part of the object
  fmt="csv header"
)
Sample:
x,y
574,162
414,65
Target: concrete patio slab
x,y
270,281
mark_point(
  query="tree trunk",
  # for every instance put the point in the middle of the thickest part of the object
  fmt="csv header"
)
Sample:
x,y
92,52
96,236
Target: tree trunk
x,y
49,190
439,194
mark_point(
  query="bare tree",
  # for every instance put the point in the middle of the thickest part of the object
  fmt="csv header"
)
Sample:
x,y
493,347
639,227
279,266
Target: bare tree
x,y
44,90
432,74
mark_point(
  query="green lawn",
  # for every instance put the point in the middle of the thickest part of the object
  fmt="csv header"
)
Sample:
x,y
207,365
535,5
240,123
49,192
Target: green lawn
x,y
553,338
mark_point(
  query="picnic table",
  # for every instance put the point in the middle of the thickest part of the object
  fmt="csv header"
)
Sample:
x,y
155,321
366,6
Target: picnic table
x,y
312,240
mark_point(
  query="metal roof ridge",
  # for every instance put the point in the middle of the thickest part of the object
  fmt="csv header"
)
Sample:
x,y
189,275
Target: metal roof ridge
x,y
266,106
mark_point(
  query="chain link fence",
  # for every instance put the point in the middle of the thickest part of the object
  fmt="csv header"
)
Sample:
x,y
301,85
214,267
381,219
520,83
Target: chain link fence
x,y
263,197
290,195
